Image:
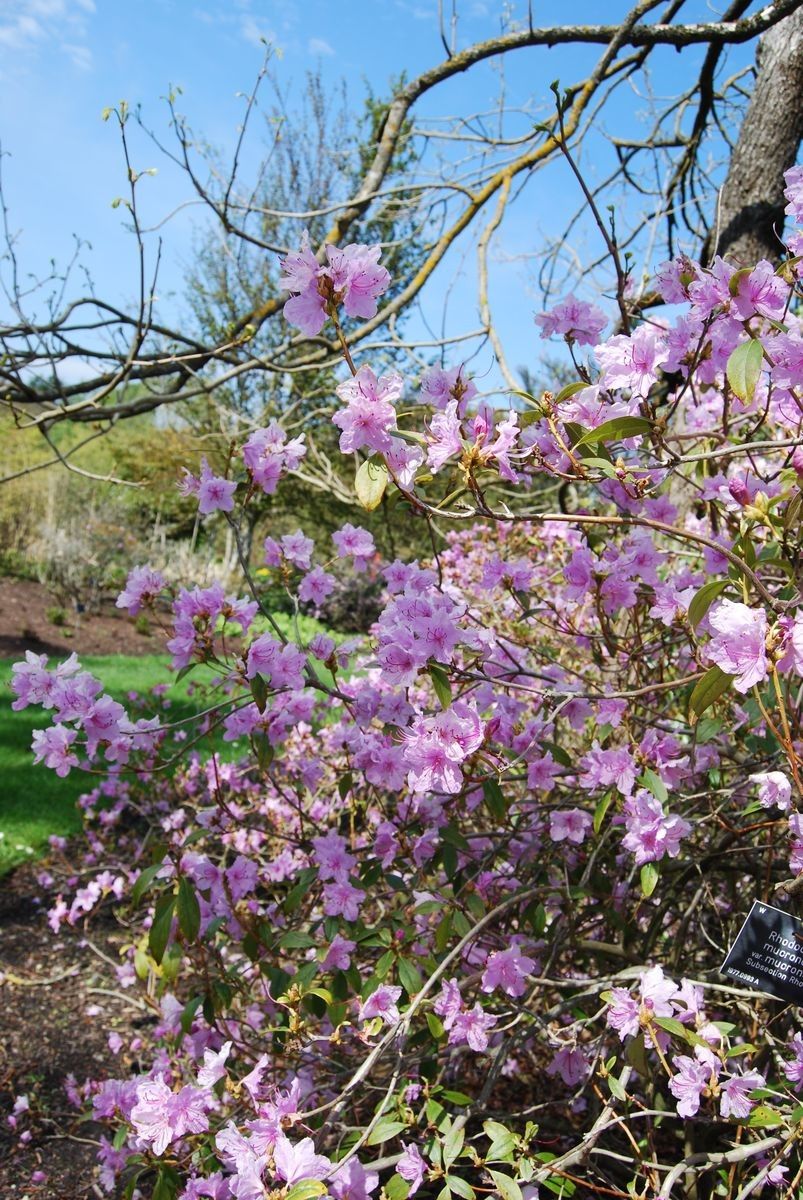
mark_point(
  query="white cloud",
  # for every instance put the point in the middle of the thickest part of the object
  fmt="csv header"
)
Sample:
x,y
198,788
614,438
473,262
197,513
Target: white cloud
x,y
256,33
20,33
30,26
319,47
80,56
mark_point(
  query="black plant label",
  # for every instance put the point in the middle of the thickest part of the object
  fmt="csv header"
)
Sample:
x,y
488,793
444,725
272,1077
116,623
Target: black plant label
x,y
768,953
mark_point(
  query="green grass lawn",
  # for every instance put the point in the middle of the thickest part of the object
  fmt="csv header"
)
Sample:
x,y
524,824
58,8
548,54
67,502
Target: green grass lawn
x,y
34,802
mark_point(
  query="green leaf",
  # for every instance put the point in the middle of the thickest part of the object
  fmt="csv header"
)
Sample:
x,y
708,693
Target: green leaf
x,y
713,684
166,1184
264,750
704,598
397,1188
296,940
574,431
602,807
649,878
616,1088
763,1116
144,881
503,1142
453,1144
386,1129
435,1025
188,1013
409,977
494,799
636,1055
370,482
536,915
567,392
531,400
459,1187
708,729
744,367
441,684
671,1026
306,1189
601,464
454,837
558,753
409,435
615,430
160,929
188,909
508,1188
443,933
737,278
384,963
655,784
793,513
436,1114
259,690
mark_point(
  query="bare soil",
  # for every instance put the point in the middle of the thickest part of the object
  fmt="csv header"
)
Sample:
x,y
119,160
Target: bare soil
x,y
59,998
25,625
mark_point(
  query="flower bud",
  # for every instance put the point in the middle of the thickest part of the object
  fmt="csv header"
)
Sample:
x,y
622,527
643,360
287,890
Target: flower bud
x,y
739,491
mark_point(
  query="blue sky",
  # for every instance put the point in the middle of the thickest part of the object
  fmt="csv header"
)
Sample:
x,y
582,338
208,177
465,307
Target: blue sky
x,y
63,61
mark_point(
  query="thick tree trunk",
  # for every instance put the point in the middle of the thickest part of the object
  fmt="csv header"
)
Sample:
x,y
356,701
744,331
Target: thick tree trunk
x,y
750,220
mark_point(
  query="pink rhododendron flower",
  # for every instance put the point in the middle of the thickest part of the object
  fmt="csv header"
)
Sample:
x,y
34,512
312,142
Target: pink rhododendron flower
x,y
214,1066
687,1085
215,494
773,789
299,1161
412,1167
739,645
352,1181
369,415
472,1028
576,320
142,587
508,970
445,436
357,278
267,454
794,1069
160,1115
570,825
439,387
352,541
793,178
651,835
633,362
382,1003
53,747
435,748
571,1064
352,277
338,956
735,1095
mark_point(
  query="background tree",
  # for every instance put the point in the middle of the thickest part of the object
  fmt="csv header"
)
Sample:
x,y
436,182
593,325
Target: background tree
x,y
429,189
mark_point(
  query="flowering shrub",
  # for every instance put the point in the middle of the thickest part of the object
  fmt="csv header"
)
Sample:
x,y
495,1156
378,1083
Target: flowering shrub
x,y
452,921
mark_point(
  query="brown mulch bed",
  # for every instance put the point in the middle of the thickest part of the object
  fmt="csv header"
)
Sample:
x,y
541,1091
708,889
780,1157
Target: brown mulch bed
x,y
59,998
25,625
